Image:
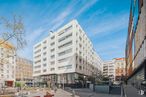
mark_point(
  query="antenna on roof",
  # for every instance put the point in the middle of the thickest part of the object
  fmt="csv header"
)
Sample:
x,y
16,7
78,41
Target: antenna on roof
x,y
50,32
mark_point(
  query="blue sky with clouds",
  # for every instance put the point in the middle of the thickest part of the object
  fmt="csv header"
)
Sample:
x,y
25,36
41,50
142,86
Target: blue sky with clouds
x,y
104,21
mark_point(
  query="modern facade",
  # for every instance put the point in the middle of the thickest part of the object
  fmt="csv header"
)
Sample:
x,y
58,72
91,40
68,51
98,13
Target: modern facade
x,y
24,69
136,44
114,69
66,56
109,69
120,69
7,64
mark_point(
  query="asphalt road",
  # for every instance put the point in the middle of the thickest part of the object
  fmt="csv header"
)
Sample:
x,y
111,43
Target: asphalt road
x,y
88,93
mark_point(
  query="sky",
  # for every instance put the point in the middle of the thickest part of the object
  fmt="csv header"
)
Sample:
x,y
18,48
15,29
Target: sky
x,y
104,21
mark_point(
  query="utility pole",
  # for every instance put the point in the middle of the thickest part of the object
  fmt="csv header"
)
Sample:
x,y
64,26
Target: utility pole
x,y
21,80
63,81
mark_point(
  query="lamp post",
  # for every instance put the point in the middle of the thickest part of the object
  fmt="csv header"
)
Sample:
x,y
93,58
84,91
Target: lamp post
x,y
94,79
21,80
85,81
63,81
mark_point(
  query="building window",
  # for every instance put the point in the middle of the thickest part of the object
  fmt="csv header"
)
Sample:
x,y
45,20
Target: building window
x,y
44,53
52,50
53,43
52,69
68,28
76,65
39,66
44,47
63,60
80,60
60,33
65,52
80,67
45,42
65,37
80,30
37,46
38,61
52,62
44,65
65,44
44,59
2,75
44,70
37,71
65,67
39,50
80,52
52,37
80,45
37,56
52,56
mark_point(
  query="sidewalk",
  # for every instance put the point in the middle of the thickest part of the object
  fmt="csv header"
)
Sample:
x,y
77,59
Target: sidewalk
x,y
131,91
89,93
81,93
63,93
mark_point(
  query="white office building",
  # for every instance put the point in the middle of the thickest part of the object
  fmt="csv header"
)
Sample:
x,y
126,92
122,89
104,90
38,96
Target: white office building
x,y
7,64
66,56
109,69
114,69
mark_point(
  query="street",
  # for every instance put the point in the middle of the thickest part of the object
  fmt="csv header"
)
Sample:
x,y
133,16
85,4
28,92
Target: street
x,y
81,93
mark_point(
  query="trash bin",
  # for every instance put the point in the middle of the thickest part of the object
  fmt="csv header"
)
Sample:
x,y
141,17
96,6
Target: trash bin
x,y
48,95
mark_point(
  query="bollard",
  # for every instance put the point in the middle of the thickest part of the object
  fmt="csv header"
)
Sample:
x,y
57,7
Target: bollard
x,y
73,93
48,95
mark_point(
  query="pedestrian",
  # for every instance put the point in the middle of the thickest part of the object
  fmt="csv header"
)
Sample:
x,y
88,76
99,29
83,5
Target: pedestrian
x,y
110,84
73,93
55,89
47,93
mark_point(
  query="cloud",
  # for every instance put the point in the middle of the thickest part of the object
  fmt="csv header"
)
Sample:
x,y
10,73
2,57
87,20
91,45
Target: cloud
x,y
66,13
96,14
35,34
112,24
60,19
113,48
85,7
110,44
109,55
109,23
62,16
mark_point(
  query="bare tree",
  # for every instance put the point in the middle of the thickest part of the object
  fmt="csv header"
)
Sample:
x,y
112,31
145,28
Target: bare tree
x,y
13,30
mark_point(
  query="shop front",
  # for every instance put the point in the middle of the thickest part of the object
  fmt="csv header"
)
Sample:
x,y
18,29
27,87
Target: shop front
x,y
9,83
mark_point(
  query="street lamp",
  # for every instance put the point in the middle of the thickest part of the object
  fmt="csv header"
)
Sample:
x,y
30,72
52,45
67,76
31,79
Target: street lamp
x,y
63,81
21,80
84,81
94,80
